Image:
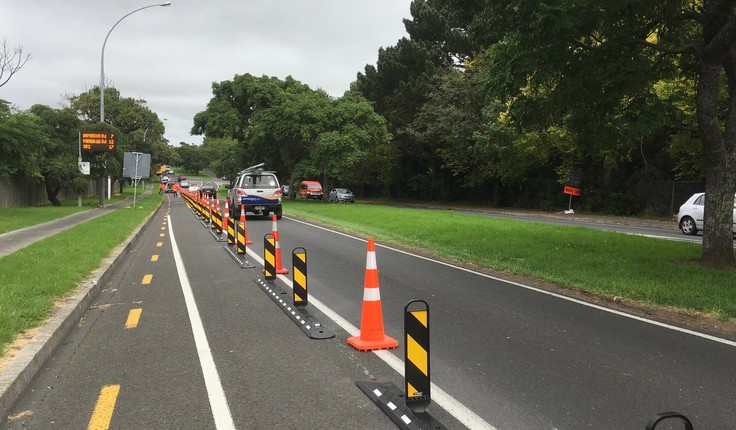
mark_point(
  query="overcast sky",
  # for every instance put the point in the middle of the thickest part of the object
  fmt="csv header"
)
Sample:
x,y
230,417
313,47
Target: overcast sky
x,y
170,56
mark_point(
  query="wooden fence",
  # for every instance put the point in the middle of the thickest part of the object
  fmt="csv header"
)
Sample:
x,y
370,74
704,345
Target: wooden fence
x,y
23,193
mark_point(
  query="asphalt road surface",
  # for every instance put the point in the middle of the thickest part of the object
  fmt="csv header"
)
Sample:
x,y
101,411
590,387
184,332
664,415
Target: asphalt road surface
x,y
503,355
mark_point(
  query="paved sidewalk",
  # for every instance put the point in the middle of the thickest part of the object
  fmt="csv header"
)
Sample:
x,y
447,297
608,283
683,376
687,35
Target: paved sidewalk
x,y
18,239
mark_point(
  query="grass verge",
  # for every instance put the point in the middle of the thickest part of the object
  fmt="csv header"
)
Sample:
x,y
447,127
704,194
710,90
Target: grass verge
x,y
647,270
17,218
34,278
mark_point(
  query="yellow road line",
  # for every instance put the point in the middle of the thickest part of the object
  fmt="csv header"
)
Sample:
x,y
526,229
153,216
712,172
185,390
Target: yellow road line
x,y
147,279
159,244
162,235
104,408
154,257
133,317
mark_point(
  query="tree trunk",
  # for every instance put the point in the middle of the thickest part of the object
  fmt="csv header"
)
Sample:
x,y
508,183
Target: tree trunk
x,y
52,193
720,154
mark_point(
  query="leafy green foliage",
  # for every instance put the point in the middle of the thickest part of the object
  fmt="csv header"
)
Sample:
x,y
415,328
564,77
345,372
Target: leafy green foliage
x,y
299,132
21,141
58,164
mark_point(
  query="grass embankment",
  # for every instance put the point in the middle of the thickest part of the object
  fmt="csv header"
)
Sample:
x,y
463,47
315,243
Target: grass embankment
x,y
33,278
648,270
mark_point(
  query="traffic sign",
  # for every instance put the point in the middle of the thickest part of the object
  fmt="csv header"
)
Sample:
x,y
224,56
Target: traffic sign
x,y
93,141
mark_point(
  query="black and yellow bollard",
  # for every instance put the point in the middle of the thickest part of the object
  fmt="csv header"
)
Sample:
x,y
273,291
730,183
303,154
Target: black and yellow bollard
x,y
416,356
218,222
240,238
230,231
239,253
299,277
269,257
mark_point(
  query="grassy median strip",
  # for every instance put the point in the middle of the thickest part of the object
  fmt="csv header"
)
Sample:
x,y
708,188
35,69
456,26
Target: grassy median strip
x,y
653,271
33,278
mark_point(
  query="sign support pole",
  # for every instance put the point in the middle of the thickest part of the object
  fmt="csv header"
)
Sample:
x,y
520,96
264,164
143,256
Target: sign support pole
x,y
79,161
136,178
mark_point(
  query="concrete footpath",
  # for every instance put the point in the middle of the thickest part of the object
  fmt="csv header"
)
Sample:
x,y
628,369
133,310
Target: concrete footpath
x,y
18,239
17,374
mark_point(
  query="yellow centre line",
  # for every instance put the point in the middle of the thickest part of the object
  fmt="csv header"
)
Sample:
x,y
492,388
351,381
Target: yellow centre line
x,y
147,279
133,317
162,234
104,408
154,257
159,244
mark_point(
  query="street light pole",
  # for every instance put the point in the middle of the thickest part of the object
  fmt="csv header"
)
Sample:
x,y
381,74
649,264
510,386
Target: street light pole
x,y
102,57
102,79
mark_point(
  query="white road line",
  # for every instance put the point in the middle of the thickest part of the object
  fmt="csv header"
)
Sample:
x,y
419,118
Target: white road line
x,y
215,392
469,418
549,293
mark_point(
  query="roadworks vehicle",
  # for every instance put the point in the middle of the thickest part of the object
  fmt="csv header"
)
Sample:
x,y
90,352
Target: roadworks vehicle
x,y
257,190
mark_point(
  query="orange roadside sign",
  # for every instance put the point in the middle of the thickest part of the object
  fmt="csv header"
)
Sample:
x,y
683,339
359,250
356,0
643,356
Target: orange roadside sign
x,y
572,191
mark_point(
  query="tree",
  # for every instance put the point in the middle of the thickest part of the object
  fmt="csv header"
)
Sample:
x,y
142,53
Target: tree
x,y
11,60
591,67
221,155
23,138
131,120
342,149
398,86
296,131
58,161
190,157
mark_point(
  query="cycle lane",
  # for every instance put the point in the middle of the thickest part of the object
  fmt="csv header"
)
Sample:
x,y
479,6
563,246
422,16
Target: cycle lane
x,y
273,375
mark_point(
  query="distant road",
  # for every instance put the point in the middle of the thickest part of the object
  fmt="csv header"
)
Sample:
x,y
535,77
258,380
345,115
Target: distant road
x,y
659,229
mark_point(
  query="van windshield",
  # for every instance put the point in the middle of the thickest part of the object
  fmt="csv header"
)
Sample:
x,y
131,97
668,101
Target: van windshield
x,y
314,187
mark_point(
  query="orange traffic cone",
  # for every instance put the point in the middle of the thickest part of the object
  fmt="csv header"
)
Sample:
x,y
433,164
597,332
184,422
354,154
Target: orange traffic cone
x,y
242,222
372,335
225,218
275,231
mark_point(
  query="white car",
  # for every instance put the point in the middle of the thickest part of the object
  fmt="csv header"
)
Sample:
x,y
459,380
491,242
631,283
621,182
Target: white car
x,y
691,215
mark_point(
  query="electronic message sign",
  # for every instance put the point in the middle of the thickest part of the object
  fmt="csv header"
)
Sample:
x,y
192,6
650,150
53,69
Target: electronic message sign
x,y
98,142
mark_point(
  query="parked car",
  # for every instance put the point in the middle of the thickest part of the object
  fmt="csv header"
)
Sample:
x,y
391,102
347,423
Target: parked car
x,y
310,190
691,215
257,190
341,195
